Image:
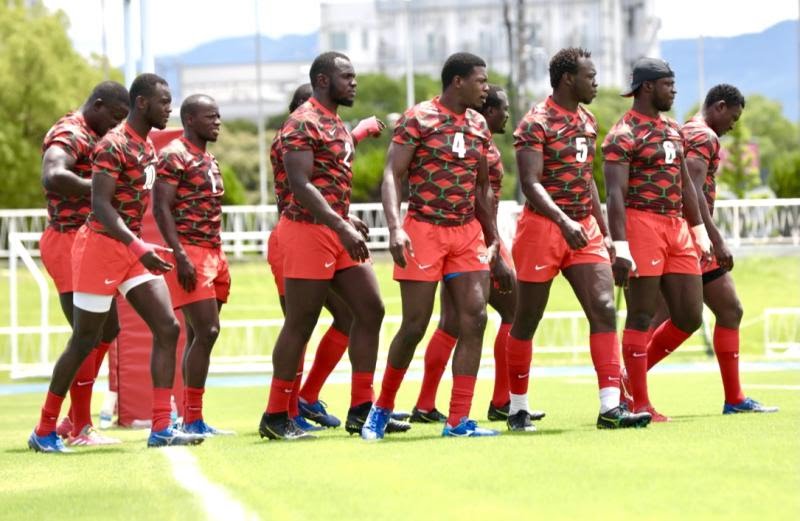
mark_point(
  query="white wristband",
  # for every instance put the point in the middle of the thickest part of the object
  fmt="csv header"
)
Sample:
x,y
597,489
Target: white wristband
x,y
623,251
701,237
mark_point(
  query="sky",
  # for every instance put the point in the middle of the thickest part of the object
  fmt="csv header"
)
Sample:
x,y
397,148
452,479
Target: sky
x,y
180,25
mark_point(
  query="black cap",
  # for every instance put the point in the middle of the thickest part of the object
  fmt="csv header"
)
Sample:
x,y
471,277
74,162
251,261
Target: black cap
x,y
648,69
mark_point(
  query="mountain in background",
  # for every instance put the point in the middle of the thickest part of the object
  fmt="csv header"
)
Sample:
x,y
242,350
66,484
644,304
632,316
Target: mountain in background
x,y
765,63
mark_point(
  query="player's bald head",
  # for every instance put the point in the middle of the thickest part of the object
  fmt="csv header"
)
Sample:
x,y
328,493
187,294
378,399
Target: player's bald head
x,y
109,92
195,102
300,96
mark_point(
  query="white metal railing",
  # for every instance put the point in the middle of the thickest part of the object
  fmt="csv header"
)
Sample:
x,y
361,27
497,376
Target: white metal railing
x,y
782,332
743,222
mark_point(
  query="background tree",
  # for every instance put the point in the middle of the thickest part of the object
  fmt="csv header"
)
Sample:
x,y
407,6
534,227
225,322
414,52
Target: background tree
x,y
41,78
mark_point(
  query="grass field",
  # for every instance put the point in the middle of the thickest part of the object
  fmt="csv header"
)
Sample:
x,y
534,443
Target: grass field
x,y
701,466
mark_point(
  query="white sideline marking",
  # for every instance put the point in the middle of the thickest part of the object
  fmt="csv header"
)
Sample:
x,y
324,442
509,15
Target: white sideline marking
x,y
217,501
774,386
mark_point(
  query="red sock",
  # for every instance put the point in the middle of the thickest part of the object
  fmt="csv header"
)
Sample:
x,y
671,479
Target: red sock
x,y
361,388
192,404
392,378
162,397
294,409
519,354
49,414
461,398
80,393
634,352
666,339
100,354
279,393
330,350
438,352
605,357
500,393
726,346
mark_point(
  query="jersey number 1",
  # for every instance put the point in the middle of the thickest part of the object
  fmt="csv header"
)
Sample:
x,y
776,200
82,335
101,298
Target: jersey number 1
x,y
212,180
458,145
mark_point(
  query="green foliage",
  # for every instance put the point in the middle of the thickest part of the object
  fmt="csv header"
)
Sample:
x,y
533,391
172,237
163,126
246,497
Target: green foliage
x,y
785,176
234,190
41,78
739,173
770,130
238,150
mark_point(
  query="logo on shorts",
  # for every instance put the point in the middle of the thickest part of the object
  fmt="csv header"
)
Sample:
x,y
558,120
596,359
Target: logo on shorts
x,y
107,282
655,262
538,267
483,258
329,264
424,266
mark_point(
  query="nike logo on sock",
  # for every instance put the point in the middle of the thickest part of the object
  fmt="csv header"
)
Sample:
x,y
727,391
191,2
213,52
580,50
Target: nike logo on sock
x,y
639,355
521,376
613,379
81,384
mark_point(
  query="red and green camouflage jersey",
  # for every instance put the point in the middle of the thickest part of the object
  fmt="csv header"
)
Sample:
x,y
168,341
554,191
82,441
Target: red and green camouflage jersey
x,y
653,147
442,174
313,127
281,181
77,139
701,142
495,169
567,141
197,208
131,161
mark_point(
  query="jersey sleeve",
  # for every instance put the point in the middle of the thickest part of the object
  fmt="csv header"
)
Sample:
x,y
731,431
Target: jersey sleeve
x,y
107,158
67,140
698,144
619,144
529,134
298,135
170,168
408,130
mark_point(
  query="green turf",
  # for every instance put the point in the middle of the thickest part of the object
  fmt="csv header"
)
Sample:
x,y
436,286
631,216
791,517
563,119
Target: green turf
x,y
701,466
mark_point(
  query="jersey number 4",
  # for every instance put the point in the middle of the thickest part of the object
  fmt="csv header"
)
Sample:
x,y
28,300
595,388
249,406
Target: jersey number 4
x,y
458,145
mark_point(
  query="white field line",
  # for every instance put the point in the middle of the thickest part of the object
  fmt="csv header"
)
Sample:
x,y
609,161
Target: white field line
x,y
217,501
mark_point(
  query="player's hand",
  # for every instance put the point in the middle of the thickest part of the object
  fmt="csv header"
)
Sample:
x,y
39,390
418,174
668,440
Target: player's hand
x,y
147,253
353,242
703,243
622,269
187,277
612,251
370,127
360,226
574,234
399,244
503,275
723,254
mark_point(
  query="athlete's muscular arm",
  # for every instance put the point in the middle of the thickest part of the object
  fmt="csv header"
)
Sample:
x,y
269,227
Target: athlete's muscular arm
x,y
299,166
530,164
103,188
616,175
597,212
398,159
698,169
57,174
691,210
487,217
163,201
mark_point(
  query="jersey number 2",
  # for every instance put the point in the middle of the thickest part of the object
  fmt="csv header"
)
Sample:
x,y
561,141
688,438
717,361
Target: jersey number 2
x,y
458,145
348,154
669,152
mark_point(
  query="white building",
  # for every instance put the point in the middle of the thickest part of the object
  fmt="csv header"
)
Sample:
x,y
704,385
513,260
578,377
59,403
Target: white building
x,y
374,34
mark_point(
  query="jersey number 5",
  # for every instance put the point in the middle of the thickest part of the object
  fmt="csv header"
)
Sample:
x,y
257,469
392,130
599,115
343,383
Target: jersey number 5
x,y
583,149
669,152
458,145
